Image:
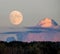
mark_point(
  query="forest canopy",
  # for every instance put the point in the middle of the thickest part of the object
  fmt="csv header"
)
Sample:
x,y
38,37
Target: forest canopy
x,y
18,47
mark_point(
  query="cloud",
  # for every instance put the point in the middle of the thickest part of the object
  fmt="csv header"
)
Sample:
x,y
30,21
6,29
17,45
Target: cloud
x,y
35,33
3,37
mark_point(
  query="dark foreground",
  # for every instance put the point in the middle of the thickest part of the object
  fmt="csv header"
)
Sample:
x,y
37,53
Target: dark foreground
x,y
16,47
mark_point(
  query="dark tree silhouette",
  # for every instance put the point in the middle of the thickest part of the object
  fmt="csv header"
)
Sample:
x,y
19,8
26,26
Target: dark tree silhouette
x,y
18,47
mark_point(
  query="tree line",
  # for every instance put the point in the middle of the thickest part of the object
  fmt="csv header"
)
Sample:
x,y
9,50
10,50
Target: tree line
x,y
18,47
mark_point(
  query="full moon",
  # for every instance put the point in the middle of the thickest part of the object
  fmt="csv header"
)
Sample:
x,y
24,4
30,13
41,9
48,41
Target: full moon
x,y
16,17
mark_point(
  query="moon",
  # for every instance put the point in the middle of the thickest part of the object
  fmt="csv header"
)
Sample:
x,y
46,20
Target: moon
x,y
16,17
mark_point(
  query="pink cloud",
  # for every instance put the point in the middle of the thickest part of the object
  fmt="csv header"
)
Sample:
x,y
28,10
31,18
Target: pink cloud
x,y
43,37
35,37
56,37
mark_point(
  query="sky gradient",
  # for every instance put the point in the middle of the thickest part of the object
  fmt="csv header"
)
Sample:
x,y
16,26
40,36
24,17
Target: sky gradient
x,y
32,10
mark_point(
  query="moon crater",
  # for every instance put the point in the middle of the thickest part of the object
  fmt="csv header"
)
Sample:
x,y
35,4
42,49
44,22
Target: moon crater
x,y
16,17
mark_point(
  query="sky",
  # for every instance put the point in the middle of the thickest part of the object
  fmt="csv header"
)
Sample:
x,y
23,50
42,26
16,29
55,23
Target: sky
x,y
32,10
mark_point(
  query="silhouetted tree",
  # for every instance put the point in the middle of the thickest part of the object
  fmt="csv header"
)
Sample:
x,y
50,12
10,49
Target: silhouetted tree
x,y
18,47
